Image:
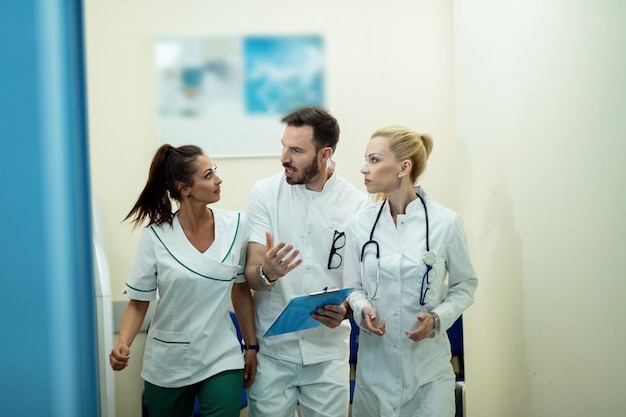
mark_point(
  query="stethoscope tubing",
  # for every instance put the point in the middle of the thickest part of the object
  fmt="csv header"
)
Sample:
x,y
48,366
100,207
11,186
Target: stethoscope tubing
x,y
372,241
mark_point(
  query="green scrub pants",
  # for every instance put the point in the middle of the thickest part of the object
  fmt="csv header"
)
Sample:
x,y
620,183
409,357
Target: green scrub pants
x,y
219,396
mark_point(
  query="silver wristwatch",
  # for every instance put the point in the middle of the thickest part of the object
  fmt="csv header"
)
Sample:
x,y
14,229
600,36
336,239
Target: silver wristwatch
x,y
264,277
435,317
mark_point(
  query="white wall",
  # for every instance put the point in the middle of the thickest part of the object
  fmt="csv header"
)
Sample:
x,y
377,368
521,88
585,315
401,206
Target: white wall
x,y
387,63
541,101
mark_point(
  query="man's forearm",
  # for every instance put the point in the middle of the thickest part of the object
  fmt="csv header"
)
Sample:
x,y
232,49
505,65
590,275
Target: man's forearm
x,y
253,277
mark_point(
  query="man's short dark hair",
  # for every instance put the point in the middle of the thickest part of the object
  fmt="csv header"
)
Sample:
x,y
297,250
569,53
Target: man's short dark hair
x,y
325,126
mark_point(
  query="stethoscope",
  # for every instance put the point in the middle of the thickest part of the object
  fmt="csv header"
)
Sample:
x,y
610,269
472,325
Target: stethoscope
x,y
428,258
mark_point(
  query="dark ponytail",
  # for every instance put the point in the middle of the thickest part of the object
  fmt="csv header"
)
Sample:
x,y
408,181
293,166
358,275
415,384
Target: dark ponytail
x,y
169,167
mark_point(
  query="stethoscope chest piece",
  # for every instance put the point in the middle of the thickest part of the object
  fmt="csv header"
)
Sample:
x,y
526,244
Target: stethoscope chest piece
x,y
429,258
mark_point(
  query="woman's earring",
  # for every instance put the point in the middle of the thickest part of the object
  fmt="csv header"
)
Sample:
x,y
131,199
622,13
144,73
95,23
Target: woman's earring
x,y
399,175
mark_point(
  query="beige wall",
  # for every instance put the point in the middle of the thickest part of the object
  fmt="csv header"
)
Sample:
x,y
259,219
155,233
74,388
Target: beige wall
x,y
386,63
541,100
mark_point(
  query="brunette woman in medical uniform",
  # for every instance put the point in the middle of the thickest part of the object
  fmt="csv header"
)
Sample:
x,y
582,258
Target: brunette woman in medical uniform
x,y
399,252
193,260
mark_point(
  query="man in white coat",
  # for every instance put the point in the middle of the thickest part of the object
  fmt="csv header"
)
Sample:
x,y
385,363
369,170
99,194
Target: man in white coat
x,y
305,208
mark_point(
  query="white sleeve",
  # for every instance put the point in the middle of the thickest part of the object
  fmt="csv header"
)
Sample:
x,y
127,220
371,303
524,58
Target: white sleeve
x,y
242,240
258,215
141,283
461,275
352,271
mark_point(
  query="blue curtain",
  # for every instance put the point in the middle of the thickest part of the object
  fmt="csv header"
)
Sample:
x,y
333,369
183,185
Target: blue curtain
x,y
48,347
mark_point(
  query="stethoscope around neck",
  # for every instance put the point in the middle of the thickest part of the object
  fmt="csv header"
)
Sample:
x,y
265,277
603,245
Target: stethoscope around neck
x,y
428,258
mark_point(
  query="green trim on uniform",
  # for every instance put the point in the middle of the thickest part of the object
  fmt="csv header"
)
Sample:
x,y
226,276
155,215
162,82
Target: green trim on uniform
x,y
185,266
137,289
234,237
171,343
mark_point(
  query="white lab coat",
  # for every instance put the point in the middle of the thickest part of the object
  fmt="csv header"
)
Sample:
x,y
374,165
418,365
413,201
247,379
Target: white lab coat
x,y
392,369
307,220
192,336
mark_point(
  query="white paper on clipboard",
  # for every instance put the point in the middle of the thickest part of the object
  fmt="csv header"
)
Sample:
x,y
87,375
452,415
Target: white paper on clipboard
x,y
297,314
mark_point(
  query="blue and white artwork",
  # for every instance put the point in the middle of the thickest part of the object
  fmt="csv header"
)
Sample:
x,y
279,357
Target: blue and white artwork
x,y
228,94
283,73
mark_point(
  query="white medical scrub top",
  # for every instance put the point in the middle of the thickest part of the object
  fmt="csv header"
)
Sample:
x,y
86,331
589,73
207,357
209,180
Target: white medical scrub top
x,y
309,221
392,368
192,336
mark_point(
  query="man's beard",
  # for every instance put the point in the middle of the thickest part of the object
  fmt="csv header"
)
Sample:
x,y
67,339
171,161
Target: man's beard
x,y
310,172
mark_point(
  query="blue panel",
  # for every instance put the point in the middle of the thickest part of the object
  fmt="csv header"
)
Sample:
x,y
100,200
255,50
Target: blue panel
x,y
49,345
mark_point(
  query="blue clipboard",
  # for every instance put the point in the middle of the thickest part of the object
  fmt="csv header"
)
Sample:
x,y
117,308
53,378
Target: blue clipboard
x,y
297,314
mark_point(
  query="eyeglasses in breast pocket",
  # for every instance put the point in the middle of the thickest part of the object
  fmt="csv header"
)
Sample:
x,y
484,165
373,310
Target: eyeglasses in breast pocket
x,y
335,259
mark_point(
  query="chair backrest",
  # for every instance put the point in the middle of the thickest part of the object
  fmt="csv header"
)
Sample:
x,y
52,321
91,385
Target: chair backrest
x,y
236,323
354,340
455,334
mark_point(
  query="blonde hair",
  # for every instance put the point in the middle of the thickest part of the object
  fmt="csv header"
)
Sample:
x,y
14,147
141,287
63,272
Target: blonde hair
x,y
406,144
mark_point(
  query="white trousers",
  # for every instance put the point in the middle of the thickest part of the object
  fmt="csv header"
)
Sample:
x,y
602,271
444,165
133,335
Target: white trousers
x,y
322,389
435,399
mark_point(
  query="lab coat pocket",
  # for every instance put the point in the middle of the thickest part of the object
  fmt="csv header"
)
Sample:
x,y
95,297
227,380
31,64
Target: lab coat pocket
x,y
170,352
336,247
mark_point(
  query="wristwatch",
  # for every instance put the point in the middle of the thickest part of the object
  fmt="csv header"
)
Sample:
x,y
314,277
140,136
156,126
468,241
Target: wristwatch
x,y
268,282
251,347
435,317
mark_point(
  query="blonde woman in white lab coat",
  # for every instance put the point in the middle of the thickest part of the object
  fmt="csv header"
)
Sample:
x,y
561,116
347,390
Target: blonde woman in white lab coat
x,y
194,259
398,254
